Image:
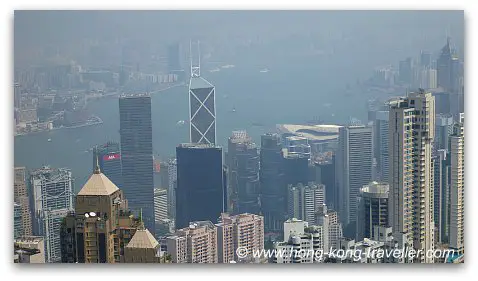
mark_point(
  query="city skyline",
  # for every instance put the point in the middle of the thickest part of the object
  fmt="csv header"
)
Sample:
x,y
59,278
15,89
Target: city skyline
x,y
391,180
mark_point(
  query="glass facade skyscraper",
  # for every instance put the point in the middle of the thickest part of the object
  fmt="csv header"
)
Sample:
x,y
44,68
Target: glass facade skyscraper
x,y
200,185
137,155
273,188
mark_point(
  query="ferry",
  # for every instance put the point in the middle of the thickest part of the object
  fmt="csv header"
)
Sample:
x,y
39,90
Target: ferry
x,y
265,70
214,70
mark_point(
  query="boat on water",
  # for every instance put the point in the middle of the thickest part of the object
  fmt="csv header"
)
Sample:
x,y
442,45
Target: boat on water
x,y
49,140
228,66
180,122
233,109
265,70
214,70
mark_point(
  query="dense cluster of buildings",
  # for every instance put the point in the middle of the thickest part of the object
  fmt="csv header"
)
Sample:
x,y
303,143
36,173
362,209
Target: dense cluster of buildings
x,y
396,183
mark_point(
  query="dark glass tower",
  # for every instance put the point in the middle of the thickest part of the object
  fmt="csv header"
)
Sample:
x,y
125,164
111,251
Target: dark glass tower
x,y
109,158
296,169
444,67
202,111
273,189
137,154
200,184
243,162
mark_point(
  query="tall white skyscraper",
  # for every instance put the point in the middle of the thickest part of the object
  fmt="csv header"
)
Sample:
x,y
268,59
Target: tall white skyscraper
x,y
411,132
353,168
457,187
53,200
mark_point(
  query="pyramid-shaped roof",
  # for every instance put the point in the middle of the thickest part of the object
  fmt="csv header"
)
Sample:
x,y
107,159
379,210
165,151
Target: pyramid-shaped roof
x,y
98,184
143,239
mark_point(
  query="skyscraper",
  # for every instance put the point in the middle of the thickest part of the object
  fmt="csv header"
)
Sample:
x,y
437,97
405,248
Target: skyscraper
x,y
108,156
296,168
240,231
22,198
195,243
411,132
137,154
243,168
381,144
202,111
405,71
425,59
174,61
441,194
200,187
172,175
353,168
457,187
372,209
17,221
443,129
160,204
273,188
53,200
447,69
304,201
100,226
325,174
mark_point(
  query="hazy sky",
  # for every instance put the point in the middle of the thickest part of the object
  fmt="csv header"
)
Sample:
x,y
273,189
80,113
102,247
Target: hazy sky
x,y
378,34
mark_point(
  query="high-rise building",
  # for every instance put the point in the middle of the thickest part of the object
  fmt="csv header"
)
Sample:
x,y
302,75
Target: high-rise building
x,y
243,168
411,132
142,248
200,187
425,59
441,194
405,71
273,188
202,111
296,168
172,175
303,243
137,154
380,138
53,200
22,198
457,187
443,129
174,60
448,70
297,145
196,243
353,168
108,156
100,226
30,249
160,204
17,221
244,231
325,174
304,201
329,219
372,209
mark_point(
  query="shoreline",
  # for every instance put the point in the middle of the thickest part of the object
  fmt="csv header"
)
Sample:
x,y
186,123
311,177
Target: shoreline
x,y
99,122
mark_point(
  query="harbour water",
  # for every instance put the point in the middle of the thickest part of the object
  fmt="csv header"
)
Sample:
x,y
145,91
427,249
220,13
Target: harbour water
x,y
293,93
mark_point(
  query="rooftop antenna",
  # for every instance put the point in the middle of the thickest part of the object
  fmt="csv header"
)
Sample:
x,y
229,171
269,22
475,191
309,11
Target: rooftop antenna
x,y
97,169
141,223
195,69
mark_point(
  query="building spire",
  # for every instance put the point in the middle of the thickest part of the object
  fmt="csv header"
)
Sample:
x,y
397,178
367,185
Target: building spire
x,y
141,223
97,169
